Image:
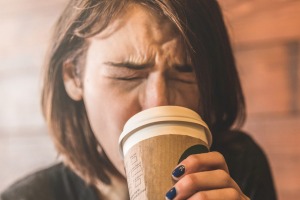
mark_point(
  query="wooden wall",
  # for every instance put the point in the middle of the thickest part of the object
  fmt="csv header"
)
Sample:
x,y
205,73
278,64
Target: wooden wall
x,y
266,39
25,31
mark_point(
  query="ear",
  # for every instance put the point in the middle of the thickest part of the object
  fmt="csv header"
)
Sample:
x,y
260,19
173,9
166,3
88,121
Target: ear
x,y
72,81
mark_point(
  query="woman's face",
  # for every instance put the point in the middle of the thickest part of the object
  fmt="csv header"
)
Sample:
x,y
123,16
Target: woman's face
x,y
137,62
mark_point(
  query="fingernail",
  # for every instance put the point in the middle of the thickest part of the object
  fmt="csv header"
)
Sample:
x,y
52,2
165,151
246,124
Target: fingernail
x,y
171,194
179,171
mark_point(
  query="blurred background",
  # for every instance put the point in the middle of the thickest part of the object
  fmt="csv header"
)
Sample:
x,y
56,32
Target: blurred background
x,y
266,40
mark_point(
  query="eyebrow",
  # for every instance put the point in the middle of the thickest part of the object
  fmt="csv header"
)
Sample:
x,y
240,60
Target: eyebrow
x,y
129,65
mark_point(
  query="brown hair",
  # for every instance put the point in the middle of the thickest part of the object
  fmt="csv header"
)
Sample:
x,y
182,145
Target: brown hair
x,y
201,24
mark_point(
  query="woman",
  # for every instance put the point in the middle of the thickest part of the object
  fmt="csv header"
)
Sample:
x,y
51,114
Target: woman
x,y
110,59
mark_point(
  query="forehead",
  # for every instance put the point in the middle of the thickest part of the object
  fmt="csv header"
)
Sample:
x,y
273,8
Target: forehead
x,y
138,34
140,21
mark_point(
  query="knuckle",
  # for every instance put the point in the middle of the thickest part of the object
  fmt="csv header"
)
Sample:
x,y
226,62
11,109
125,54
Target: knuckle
x,y
219,156
189,180
201,196
192,159
224,177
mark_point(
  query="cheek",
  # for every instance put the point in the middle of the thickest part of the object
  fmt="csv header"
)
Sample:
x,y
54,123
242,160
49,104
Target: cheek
x,y
108,108
188,96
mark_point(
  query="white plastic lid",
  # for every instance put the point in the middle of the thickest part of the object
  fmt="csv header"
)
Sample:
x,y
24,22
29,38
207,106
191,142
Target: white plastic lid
x,y
162,114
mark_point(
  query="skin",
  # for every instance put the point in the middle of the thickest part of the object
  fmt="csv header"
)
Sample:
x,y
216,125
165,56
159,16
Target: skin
x,y
140,62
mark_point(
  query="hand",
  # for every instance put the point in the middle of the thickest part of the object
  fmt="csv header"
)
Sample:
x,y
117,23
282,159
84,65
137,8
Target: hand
x,y
204,176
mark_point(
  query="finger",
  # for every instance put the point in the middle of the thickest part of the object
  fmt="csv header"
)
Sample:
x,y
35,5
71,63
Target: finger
x,y
203,181
220,194
200,162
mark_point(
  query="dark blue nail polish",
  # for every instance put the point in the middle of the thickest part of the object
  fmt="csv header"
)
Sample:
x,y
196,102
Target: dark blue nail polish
x,y
171,194
179,171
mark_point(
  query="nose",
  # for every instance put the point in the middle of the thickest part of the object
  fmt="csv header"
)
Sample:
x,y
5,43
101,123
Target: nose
x,y
155,92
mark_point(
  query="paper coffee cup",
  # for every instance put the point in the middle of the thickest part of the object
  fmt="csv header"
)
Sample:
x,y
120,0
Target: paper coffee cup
x,y
153,142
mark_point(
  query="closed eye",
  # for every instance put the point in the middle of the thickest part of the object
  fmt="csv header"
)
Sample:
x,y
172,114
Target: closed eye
x,y
127,71
127,78
188,81
130,65
183,74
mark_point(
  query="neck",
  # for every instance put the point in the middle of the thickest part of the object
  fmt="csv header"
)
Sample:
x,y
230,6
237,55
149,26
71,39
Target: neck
x,y
116,190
